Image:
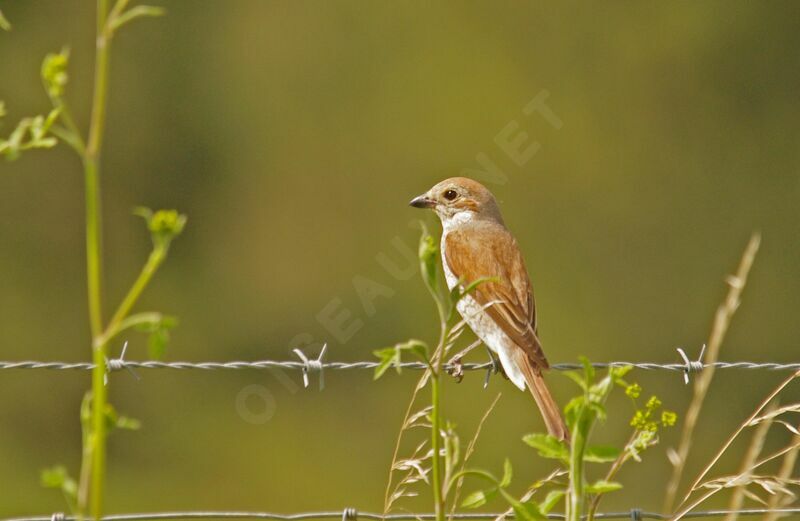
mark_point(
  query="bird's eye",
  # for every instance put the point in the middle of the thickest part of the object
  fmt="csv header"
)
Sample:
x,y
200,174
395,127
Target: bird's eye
x,y
450,195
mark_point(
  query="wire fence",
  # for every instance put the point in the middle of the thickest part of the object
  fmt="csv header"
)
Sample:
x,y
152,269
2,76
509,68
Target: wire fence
x,y
292,365
307,366
350,514
318,365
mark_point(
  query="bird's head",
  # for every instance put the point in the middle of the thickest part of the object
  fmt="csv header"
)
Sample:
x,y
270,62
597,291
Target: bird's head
x,y
459,199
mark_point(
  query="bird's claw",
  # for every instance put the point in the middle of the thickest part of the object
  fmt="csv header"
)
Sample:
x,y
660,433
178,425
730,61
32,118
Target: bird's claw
x,y
456,369
495,368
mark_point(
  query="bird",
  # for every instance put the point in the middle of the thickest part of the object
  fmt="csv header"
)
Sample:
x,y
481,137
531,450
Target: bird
x,y
476,245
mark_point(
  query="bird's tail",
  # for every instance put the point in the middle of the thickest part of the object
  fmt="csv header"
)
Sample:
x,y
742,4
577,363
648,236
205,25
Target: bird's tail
x,y
547,405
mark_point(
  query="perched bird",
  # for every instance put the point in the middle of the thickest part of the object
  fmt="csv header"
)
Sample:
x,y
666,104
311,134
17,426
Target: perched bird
x,y
501,312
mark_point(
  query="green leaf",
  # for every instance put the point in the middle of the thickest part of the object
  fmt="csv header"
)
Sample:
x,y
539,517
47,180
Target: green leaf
x,y
428,251
598,409
117,421
588,370
157,344
601,454
157,326
57,477
507,474
599,391
128,424
387,357
548,446
479,498
148,322
578,379
86,409
602,486
617,373
4,24
528,511
417,347
573,410
551,500
392,355
140,11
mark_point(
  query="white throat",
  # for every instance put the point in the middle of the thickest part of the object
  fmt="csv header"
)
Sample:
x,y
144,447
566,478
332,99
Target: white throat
x,y
457,219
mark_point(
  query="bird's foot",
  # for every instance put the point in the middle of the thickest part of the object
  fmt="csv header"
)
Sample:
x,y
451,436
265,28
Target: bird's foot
x,y
456,368
495,368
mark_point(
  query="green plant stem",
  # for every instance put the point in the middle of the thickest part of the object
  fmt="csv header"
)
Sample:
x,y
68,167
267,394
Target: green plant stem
x,y
436,372
575,494
436,480
102,50
93,246
86,454
436,483
155,260
621,459
91,161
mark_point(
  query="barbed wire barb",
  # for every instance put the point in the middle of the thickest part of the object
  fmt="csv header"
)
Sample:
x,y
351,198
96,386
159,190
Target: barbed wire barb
x,y
313,365
117,364
692,365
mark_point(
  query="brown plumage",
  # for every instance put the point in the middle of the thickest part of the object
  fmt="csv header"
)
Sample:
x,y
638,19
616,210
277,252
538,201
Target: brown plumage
x,y
501,312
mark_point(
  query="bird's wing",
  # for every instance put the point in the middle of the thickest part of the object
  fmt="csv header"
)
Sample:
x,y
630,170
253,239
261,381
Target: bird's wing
x,y
493,253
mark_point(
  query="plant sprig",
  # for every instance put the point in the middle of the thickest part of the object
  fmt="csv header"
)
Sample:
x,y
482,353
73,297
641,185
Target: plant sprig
x,y
439,463
98,418
582,414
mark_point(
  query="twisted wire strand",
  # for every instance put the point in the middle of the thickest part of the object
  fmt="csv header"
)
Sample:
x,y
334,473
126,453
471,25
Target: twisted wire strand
x,y
297,365
353,514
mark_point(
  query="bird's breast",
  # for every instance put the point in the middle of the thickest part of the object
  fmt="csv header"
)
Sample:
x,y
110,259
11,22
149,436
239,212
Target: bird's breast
x,y
472,312
449,277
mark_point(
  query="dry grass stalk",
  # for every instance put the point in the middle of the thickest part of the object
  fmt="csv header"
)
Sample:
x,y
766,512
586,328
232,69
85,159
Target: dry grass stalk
x,y
785,472
750,458
722,320
769,483
390,495
471,449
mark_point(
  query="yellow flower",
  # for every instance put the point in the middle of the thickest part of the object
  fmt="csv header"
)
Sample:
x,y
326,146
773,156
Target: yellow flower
x,y
633,390
653,403
668,418
639,420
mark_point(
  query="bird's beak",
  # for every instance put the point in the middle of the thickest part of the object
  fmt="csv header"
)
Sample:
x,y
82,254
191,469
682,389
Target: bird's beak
x,y
422,201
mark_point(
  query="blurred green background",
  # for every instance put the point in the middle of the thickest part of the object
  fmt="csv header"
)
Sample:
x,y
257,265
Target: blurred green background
x,y
293,135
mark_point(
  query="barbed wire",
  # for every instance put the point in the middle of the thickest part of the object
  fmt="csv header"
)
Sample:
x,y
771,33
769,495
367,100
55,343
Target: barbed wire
x,y
454,367
289,364
351,514
315,365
